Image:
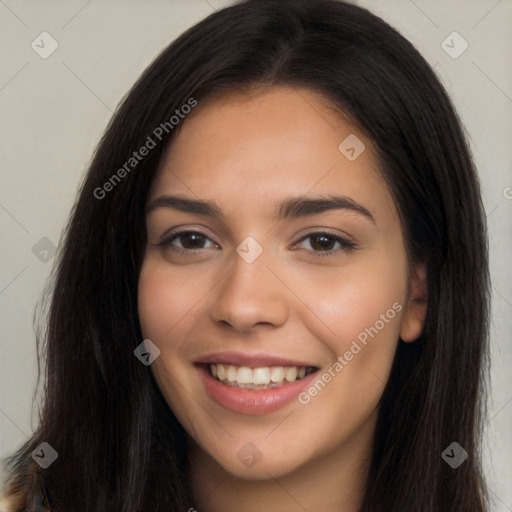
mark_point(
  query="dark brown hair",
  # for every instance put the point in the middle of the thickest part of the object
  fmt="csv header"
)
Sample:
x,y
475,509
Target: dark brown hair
x,y
102,411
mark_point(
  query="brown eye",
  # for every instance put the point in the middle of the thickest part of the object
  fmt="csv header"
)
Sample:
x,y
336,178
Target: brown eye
x,y
323,243
191,241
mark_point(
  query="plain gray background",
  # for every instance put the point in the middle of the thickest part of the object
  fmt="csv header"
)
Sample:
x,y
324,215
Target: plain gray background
x,y
55,109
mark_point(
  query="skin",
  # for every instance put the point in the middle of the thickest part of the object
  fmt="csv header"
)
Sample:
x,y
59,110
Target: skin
x,y
247,152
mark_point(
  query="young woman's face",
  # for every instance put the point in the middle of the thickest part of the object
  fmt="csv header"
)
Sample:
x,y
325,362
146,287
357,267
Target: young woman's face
x,y
298,305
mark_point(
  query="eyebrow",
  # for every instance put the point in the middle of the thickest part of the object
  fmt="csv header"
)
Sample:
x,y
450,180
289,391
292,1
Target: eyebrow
x,y
289,208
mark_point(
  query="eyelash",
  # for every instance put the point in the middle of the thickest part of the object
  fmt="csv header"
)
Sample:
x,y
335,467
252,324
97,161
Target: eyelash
x,y
347,245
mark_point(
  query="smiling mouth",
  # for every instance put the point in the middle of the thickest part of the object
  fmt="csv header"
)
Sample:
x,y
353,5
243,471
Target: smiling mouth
x,y
263,377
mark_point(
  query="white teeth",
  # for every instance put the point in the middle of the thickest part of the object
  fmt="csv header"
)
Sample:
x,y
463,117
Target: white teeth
x,y
231,373
290,374
261,377
277,374
244,375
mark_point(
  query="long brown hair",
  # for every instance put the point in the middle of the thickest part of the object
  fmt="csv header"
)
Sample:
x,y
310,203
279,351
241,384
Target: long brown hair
x,y
119,445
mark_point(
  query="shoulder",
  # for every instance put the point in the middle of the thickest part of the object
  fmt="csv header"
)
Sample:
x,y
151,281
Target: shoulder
x,y
11,503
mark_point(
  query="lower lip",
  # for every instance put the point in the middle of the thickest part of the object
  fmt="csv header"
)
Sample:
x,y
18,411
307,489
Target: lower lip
x,y
253,401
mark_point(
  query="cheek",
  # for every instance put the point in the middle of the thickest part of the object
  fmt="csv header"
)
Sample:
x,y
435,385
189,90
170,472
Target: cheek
x,y
166,299
360,307
166,302
347,301
365,316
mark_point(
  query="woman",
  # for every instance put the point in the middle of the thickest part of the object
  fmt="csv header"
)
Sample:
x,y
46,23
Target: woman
x,y
273,290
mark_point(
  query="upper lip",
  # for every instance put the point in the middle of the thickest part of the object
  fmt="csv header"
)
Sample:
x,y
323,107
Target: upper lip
x,y
256,359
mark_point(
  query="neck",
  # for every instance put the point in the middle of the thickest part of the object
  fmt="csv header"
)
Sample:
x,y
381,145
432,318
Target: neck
x,y
333,482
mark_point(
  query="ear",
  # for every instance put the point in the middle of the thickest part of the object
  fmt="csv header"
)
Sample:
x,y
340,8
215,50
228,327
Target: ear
x,y
413,319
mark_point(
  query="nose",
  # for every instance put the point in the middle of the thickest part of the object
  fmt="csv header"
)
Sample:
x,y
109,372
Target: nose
x,y
251,294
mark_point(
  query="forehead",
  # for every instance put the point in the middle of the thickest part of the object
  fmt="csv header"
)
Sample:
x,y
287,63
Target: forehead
x,y
259,147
